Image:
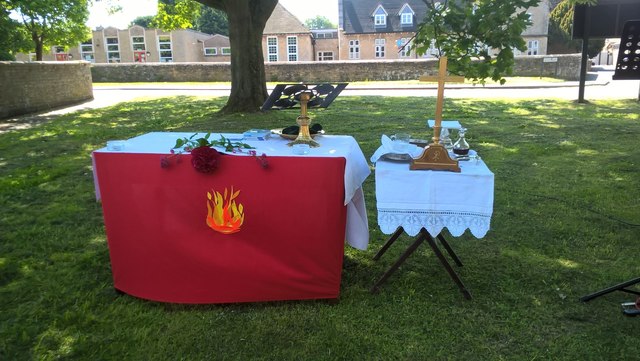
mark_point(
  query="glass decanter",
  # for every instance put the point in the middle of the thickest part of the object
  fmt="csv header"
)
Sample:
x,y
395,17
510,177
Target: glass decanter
x,y
445,139
461,147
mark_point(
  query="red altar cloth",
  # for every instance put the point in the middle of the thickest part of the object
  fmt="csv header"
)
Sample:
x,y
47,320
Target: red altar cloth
x,y
290,246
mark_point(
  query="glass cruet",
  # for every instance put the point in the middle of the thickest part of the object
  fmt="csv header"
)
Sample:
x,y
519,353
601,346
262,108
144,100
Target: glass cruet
x,y
461,147
445,139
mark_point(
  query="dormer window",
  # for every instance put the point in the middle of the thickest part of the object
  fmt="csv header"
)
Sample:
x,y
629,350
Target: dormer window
x,y
380,17
406,15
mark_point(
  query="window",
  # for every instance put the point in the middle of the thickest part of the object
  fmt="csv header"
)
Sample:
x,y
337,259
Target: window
x,y
406,19
532,47
379,50
405,49
354,49
406,15
113,49
325,55
86,51
164,44
225,51
210,51
272,48
137,43
292,48
380,17
432,49
325,35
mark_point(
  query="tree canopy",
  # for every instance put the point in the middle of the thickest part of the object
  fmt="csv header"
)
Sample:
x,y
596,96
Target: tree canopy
x,y
13,37
144,21
246,22
319,22
47,23
469,32
560,27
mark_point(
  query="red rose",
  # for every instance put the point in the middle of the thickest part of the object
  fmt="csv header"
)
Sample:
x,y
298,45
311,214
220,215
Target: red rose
x,y
204,159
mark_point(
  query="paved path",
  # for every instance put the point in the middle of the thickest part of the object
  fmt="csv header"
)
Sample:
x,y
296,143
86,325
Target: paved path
x,y
599,86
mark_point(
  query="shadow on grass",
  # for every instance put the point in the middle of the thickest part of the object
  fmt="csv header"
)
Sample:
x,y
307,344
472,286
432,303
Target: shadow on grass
x,y
552,161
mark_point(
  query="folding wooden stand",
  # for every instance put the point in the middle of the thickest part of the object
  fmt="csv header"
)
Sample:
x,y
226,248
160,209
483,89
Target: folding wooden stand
x,y
622,287
421,237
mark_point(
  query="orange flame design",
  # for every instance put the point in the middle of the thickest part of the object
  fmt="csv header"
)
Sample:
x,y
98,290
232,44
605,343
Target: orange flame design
x,y
224,215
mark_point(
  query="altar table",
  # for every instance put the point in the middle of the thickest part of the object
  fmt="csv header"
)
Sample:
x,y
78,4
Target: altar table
x,y
424,202
298,212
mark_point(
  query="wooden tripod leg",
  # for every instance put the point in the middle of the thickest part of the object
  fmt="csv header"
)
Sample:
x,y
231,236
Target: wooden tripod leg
x,y
446,246
388,244
446,264
399,262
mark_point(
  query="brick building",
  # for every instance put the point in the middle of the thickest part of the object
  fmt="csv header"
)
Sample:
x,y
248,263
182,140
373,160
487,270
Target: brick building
x,y
380,29
368,30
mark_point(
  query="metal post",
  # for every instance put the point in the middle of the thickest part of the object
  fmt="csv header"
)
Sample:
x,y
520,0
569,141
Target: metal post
x,y
585,54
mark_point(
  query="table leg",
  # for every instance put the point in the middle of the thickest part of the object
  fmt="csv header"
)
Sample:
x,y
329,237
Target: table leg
x,y
399,262
388,244
446,246
446,264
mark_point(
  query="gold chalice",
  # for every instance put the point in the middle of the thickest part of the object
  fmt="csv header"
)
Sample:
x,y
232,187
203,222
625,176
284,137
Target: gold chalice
x,y
304,136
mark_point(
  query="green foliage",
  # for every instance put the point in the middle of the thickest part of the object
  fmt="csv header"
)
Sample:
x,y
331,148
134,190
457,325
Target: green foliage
x,y
566,182
468,32
560,27
212,21
13,37
144,21
560,42
52,22
176,14
319,22
192,142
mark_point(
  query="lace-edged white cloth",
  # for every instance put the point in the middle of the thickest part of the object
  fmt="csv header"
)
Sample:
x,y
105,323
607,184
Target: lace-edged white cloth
x,y
434,222
434,199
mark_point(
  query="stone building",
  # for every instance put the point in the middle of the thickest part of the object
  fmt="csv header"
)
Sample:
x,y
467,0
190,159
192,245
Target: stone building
x,y
139,45
380,29
368,30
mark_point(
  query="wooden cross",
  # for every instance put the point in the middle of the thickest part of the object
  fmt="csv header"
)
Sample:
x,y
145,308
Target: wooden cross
x,y
435,156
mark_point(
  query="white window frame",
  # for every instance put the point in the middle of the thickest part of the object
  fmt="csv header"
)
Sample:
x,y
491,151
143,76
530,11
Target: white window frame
x,y
165,58
406,15
210,51
272,48
325,55
405,52
109,46
354,49
379,50
406,19
533,47
90,55
134,43
225,50
380,17
292,48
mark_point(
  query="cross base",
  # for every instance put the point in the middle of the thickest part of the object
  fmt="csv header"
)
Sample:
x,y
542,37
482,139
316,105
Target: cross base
x,y
435,157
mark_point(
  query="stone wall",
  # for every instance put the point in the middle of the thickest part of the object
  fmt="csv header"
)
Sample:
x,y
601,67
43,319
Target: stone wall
x,y
32,87
566,67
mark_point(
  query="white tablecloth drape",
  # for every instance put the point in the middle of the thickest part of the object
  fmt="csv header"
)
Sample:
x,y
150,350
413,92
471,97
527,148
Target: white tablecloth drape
x,y
434,199
356,168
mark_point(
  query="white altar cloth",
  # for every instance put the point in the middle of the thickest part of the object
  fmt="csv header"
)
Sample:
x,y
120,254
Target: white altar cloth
x,y
434,199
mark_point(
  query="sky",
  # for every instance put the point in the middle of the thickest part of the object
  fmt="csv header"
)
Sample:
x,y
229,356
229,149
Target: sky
x,y
302,9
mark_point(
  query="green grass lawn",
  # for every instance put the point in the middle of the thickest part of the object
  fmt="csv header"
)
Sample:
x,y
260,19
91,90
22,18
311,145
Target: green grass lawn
x,y
566,223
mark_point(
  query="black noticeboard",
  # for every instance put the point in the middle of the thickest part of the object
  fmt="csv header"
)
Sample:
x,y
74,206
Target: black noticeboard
x,y
606,18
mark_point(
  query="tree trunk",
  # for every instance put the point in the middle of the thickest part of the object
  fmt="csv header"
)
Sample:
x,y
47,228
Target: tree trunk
x,y
247,19
38,44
